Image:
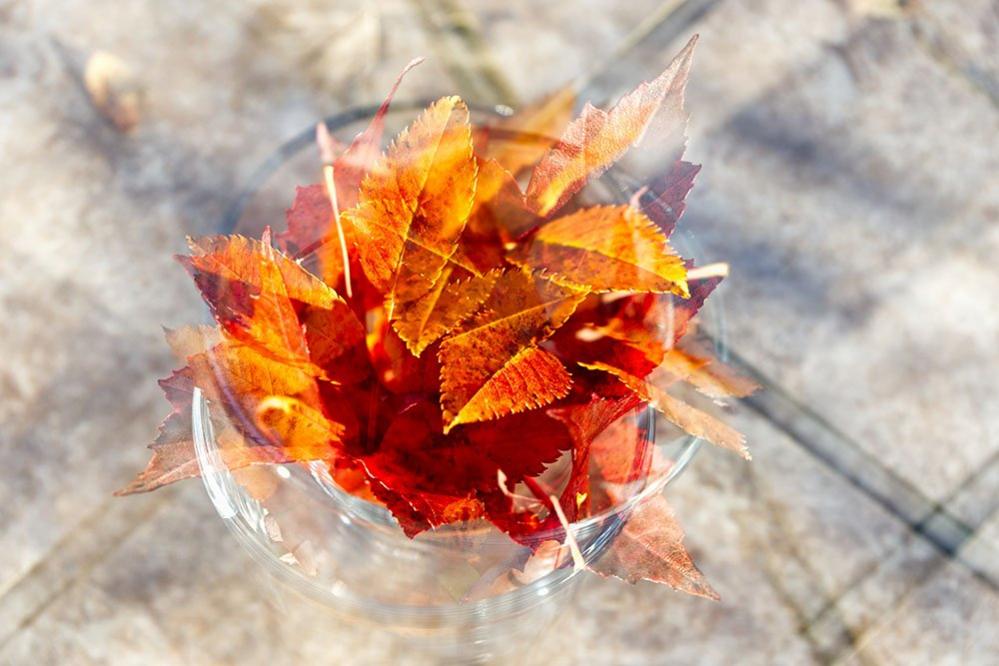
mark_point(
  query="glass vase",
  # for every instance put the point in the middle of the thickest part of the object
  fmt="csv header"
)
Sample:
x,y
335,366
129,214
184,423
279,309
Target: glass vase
x,y
465,593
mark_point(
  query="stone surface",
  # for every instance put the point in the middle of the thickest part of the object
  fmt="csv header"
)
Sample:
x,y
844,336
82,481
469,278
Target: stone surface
x,y
850,179
862,218
945,621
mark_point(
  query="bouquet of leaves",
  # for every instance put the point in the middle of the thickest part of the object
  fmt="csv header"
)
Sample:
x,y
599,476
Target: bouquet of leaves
x,y
444,323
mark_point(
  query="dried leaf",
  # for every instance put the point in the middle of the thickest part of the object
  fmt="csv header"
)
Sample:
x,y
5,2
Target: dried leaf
x,y
493,366
690,419
650,547
298,434
355,162
598,138
499,212
262,297
520,140
666,199
426,481
309,220
500,349
396,367
456,295
415,203
605,248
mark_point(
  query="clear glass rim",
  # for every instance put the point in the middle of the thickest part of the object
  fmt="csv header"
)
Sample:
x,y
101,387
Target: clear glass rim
x,y
221,487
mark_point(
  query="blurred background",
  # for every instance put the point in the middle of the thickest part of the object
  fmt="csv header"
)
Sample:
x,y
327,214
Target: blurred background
x,y
851,178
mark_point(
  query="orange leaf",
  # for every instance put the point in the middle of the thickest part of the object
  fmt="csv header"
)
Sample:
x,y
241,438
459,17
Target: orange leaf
x,y
707,374
493,367
598,138
499,210
455,295
176,459
302,431
295,432
520,140
499,216
415,203
690,419
310,215
353,165
425,481
605,248
650,547
396,367
256,293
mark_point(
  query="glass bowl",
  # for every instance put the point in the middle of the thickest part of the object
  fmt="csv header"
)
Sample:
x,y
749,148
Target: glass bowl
x,y
457,592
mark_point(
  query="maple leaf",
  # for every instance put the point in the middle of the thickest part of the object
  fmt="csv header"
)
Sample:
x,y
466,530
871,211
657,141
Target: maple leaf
x,y
424,479
650,547
264,298
277,429
598,138
415,202
454,296
605,248
493,366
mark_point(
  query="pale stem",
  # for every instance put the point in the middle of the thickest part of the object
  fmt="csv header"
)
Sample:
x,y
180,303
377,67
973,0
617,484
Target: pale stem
x,y
328,175
578,562
719,269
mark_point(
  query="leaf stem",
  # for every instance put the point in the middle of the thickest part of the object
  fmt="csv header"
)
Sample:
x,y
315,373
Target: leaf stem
x,y
578,563
328,176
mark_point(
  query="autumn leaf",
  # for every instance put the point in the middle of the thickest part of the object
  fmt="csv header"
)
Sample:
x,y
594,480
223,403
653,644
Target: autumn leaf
x,y
424,479
665,199
689,418
650,547
519,141
257,294
396,367
310,216
353,165
519,444
605,248
493,360
286,430
587,414
308,219
493,367
499,210
499,216
598,138
413,206
714,378
455,295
